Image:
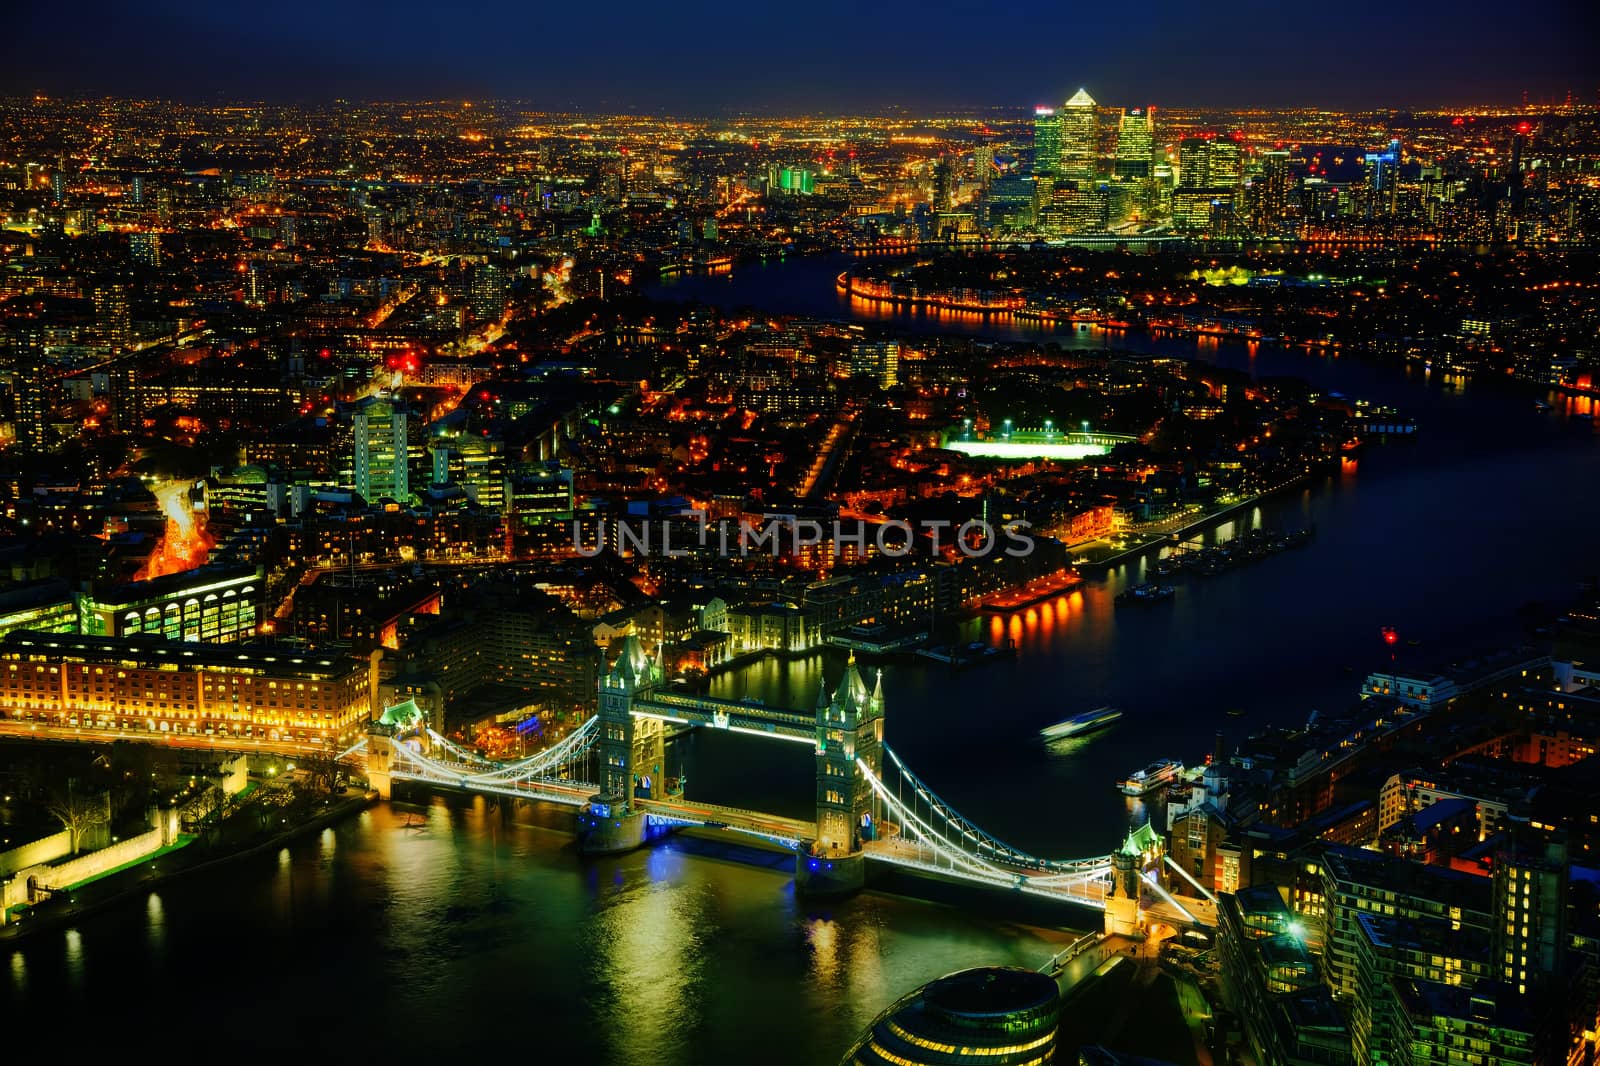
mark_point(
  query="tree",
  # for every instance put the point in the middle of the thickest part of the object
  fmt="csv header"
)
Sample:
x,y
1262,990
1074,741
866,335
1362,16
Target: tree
x,y
78,811
324,769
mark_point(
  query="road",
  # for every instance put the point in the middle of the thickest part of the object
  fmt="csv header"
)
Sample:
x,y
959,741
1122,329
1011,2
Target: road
x,y
23,730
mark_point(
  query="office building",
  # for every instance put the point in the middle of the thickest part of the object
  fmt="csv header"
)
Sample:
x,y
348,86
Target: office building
x,y
1046,141
31,379
112,324
1530,915
878,360
145,249
381,450
1271,189
1224,163
43,606
943,185
211,603
1080,138
489,292
1271,981
1382,172
147,684
1135,137
1194,163
1445,1025
997,1015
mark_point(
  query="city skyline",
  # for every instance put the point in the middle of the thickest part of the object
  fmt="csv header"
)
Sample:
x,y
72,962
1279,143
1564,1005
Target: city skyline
x,y
770,61
890,589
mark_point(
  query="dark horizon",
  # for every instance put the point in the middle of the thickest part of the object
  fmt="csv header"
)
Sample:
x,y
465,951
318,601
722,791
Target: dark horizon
x,y
996,111
698,60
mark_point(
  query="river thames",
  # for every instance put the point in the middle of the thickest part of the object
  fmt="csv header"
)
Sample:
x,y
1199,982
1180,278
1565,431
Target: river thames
x,y
457,929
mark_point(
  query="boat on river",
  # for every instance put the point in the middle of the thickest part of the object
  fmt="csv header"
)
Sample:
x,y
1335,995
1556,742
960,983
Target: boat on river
x,y
1087,722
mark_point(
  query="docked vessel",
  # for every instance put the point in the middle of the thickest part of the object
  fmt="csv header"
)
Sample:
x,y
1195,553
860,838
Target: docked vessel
x,y
1086,722
1158,774
1142,595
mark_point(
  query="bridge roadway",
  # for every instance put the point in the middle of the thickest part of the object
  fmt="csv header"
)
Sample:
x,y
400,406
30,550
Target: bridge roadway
x,y
223,743
736,716
453,773
712,816
898,851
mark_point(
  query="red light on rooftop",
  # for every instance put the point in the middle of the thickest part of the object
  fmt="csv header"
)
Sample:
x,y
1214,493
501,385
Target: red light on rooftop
x,y
1390,636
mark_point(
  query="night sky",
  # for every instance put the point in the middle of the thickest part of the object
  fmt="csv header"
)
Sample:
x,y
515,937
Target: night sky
x,y
815,55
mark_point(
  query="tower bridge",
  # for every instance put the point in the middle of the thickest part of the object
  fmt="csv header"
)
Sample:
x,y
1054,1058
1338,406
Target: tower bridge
x,y
870,807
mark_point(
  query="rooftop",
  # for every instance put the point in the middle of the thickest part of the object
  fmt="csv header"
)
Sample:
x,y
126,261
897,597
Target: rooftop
x,y
151,650
991,991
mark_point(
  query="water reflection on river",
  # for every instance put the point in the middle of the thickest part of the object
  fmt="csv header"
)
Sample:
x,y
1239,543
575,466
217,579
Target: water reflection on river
x,y
473,932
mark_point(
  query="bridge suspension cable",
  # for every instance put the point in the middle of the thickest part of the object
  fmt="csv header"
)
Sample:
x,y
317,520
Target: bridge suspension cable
x,y
567,750
942,848
466,755
546,766
954,857
983,842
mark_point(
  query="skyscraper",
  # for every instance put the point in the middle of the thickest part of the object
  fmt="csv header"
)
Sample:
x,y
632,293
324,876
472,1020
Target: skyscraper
x,y
1383,174
1080,138
1135,133
382,451
1225,163
29,377
1530,899
111,319
1194,163
943,185
489,286
1272,189
1046,141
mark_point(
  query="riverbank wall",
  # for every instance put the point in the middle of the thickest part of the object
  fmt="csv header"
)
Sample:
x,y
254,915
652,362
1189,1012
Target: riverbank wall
x,y
191,860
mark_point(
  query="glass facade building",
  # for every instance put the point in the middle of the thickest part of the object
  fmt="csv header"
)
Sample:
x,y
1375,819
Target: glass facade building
x,y
998,1015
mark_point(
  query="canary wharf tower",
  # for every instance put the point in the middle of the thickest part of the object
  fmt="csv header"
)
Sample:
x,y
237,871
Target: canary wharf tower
x,y
1080,137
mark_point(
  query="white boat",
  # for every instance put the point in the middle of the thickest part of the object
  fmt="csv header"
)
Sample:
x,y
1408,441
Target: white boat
x,y
1086,722
1158,774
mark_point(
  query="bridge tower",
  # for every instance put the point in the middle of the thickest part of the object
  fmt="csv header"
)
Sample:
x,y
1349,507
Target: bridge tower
x,y
632,756
380,754
849,727
1142,850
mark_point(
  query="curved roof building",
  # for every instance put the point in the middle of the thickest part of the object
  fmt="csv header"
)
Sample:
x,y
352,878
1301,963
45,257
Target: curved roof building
x,y
990,1016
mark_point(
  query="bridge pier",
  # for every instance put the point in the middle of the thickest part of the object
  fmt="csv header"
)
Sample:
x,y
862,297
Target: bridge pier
x,y
826,875
605,829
